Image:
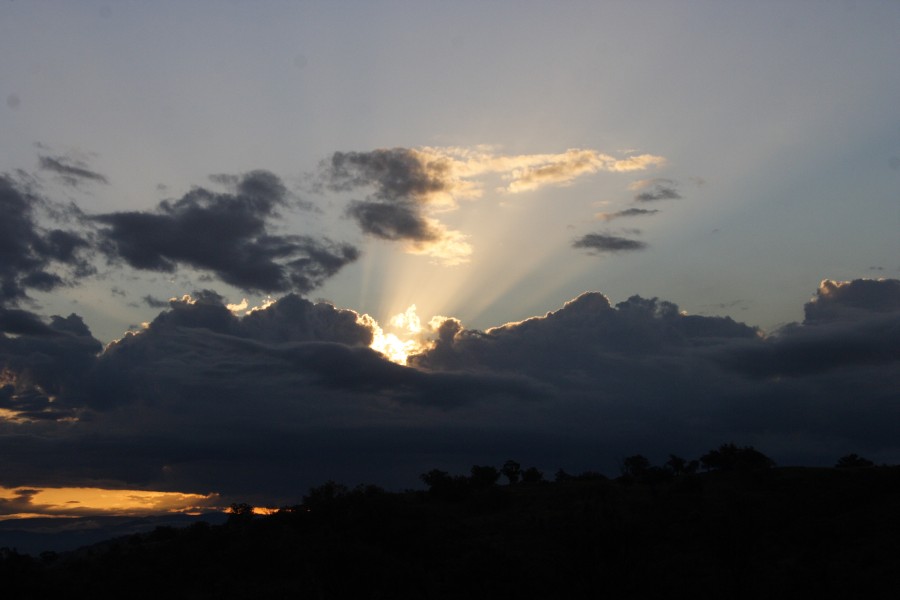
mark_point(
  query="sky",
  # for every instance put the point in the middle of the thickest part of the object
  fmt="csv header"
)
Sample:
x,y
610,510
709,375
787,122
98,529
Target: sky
x,y
249,247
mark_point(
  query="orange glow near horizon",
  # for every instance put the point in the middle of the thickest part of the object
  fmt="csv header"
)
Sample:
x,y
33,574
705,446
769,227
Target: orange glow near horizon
x,y
23,502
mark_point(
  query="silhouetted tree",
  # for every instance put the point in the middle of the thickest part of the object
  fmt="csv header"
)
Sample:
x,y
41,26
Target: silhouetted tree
x,y
680,466
484,476
676,464
435,478
635,466
238,513
590,476
443,485
561,475
512,471
532,475
729,457
853,461
324,494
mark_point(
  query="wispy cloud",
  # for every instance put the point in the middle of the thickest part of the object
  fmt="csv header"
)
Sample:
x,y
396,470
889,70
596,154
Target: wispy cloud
x,y
651,190
629,212
599,243
71,171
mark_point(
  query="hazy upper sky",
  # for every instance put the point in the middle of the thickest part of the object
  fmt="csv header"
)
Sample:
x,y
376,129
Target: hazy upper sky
x,y
484,161
777,123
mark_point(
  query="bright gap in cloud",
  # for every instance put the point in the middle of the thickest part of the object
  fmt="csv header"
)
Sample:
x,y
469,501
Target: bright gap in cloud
x,y
406,335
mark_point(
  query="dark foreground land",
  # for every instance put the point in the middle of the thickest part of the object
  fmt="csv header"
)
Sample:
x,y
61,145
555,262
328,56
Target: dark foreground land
x,y
772,533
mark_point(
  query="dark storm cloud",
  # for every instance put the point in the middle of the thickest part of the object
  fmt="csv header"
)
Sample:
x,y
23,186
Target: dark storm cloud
x,y
392,221
293,347
397,174
847,324
630,212
402,183
228,234
30,254
571,337
22,322
44,364
71,172
837,301
598,243
659,189
291,395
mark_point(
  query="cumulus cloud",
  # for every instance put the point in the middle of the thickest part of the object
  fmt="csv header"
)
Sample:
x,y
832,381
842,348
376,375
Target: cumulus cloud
x,y
597,243
71,171
651,190
847,324
229,234
844,300
629,212
409,186
32,256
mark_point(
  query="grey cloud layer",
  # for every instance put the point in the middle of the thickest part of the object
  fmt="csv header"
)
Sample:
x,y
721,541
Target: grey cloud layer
x,y
228,234
291,395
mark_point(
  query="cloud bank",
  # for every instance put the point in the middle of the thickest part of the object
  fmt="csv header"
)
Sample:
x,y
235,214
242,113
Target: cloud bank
x,y
288,396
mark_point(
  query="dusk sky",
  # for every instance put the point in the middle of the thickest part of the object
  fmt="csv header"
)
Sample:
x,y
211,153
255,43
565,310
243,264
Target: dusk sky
x,y
249,247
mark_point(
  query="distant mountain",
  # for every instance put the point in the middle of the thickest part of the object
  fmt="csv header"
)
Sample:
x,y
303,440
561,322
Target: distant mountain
x,y
41,534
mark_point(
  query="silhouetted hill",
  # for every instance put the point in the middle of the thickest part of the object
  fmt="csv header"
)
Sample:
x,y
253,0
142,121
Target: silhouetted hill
x,y
40,534
765,533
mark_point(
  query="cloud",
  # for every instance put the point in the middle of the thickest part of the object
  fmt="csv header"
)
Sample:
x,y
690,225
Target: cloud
x,y
154,302
42,366
409,186
848,323
531,172
629,212
598,243
656,189
393,221
95,502
71,171
406,186
228,234
30,255
291,395
844,300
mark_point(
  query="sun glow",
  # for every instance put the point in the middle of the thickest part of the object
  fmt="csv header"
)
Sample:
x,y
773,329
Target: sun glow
x,y
75,502
407,335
